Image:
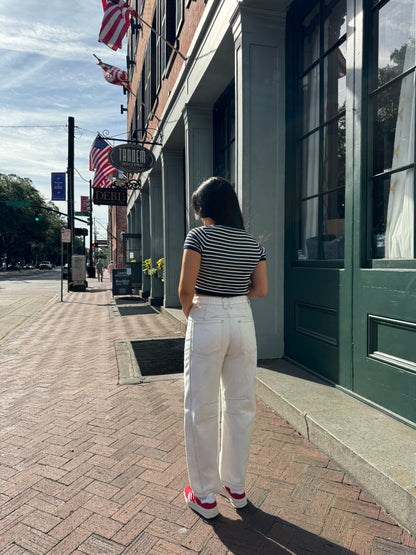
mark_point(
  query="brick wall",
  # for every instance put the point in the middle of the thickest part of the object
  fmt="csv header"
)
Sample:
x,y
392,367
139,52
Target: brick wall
x,y
192,17
117,224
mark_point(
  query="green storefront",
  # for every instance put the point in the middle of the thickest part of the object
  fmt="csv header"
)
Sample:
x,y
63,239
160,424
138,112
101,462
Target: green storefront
x,y
350,268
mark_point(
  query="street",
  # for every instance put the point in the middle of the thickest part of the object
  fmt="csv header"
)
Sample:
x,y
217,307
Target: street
x,y
23,294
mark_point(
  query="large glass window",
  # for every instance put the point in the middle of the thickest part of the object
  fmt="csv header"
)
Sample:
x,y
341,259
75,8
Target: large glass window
x,y
320,132
224,134
392,128
169,17
150,75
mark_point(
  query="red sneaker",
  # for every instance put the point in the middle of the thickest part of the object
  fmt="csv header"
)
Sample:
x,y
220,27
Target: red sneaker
x,y
237,500
207,510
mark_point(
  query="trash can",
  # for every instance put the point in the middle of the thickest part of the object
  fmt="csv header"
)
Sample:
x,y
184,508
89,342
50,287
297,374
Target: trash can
x,y
91,271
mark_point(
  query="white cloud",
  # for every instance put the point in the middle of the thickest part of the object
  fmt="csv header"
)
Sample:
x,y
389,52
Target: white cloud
x,y
47,55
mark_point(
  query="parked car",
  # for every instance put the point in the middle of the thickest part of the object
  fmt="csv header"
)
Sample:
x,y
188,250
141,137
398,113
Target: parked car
x,y
45,265
13,267
29,266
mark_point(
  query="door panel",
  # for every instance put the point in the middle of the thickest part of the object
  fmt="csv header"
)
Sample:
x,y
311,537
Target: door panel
x,y
385,339
312,319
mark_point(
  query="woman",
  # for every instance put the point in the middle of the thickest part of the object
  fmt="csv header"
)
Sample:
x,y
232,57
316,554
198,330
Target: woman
x,y
222,265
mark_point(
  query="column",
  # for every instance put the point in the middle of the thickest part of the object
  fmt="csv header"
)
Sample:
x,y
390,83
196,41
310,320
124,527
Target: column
x,y
198,152
173,180
156,236
145,231
259,38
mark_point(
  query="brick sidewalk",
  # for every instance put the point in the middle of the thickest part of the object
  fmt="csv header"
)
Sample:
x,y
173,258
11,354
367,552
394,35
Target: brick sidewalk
x,y
88,466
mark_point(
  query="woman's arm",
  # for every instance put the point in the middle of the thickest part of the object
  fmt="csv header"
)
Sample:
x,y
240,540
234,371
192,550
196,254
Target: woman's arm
x,y
191,262
259,284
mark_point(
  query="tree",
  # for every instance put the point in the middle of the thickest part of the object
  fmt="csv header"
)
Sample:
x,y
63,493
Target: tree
x,y
23,238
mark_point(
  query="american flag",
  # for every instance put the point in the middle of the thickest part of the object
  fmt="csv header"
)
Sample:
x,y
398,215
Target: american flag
x,y
115,23
114,75
99,162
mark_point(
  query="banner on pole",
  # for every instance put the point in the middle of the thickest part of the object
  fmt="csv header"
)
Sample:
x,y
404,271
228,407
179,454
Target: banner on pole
x,y
58,181
84,204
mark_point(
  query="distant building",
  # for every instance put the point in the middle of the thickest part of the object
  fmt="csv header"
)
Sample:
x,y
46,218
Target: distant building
x,y
117,225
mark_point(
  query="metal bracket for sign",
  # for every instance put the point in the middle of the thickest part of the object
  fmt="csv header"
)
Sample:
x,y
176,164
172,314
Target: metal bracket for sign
x,y
134,141
131,184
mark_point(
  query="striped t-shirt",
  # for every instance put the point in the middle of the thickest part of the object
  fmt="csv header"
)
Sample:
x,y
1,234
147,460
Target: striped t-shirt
x,y
228,258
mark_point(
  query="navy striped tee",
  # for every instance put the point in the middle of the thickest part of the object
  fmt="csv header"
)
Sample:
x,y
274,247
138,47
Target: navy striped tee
x,y
228,258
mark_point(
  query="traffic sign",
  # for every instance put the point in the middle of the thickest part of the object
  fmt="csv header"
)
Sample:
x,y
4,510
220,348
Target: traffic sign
x,y
65,235
17,202
82,213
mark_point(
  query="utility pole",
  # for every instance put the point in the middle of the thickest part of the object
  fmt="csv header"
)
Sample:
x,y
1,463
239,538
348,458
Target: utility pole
x,y
92,270
71,127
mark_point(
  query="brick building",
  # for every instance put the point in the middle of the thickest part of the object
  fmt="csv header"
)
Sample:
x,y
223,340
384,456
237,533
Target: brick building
x,y
308,107
116,227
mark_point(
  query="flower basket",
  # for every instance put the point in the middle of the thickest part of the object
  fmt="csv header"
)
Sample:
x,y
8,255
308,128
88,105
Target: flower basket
x,y
161,268
147,265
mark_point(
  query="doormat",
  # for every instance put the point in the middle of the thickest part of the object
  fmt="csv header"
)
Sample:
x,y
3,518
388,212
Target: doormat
x,y
158,357
129,300
136,310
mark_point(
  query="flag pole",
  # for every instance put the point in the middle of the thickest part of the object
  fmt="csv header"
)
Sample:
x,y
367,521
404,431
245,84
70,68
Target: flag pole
x,y
163,38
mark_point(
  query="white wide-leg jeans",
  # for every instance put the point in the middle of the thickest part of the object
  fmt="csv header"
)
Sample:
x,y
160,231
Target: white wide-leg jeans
x,y
220,367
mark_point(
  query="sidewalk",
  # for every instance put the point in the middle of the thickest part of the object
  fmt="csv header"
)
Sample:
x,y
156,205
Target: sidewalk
x,y
89,466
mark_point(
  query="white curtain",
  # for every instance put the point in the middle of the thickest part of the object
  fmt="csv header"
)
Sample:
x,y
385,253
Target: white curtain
x,y
310,156
399,241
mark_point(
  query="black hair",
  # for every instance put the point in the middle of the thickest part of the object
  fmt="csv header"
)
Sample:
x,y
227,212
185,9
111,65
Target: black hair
x,y
215,198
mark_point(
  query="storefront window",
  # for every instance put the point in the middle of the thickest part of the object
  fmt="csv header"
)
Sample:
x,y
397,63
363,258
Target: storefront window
x,y
320,141
392,129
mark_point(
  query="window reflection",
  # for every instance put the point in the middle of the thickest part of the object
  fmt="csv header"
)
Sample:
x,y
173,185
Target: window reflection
x,y
395,39
311,38
335,82
334,155
310,166
321,144
310,92
335,24
393,130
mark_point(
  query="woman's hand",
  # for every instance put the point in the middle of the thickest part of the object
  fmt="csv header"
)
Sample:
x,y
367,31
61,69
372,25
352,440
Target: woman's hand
x,y
191,262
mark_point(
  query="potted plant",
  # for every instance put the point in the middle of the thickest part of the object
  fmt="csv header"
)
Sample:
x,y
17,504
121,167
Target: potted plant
x,y
161,268
147,266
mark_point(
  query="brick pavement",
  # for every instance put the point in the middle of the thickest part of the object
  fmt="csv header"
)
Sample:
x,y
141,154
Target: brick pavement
x,y
91,467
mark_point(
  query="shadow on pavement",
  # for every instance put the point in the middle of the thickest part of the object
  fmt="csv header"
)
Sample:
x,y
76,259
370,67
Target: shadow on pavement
x,y
260,533
281,366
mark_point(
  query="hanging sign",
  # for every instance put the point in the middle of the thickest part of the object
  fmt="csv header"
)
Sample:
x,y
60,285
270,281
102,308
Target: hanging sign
x,y
109,196
58,180
131,158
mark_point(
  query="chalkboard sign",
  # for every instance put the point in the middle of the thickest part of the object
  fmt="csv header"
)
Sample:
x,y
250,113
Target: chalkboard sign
x,y
122,281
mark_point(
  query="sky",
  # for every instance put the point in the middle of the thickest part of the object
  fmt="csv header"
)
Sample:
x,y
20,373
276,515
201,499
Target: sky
x,y
48,74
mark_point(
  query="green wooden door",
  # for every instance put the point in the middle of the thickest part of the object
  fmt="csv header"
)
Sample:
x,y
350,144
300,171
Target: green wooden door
x,y
316,177
384,284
